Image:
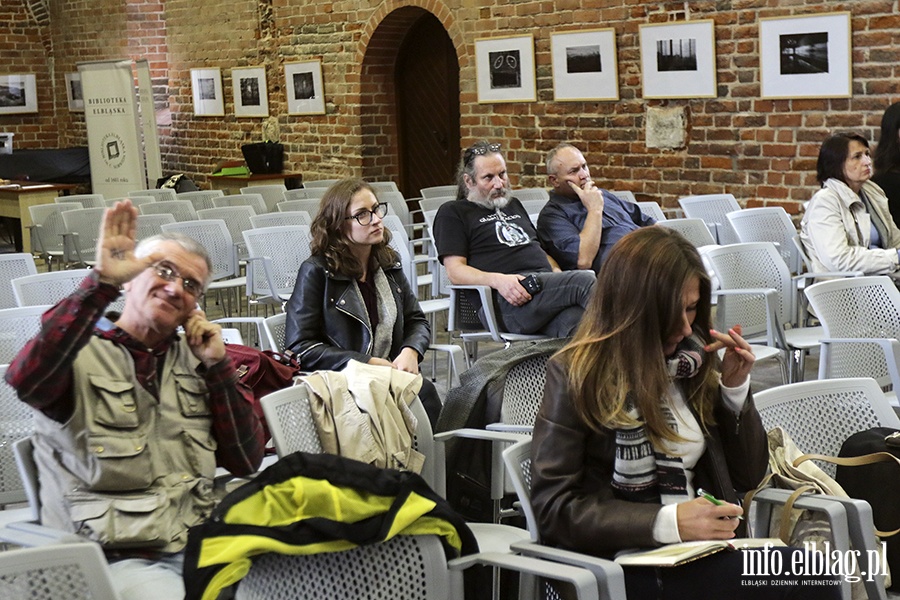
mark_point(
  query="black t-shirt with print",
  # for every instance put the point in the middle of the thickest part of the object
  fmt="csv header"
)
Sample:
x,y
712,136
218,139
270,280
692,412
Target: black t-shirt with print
x,y
505,243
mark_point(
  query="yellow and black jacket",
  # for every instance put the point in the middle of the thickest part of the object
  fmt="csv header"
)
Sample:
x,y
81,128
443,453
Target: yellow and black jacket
x,y
312,503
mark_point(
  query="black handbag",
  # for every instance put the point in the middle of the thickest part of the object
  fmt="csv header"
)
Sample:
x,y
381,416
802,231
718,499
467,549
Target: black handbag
x,y
264,157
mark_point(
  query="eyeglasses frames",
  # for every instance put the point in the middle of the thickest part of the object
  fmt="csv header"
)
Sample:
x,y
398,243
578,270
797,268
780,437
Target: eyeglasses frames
x,y
167,271
364,217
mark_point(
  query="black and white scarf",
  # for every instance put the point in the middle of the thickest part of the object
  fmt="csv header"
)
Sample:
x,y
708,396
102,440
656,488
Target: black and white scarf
x,y
643,473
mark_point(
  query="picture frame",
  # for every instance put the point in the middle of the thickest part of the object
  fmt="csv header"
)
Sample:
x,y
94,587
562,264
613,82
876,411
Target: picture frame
x,y
806,56
304,88
504,69
18,94
585,65
74,94
248,86
206,89
678,60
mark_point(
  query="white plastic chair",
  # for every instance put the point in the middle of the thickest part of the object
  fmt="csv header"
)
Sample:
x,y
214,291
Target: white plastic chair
x,y
275,219
271,194
694,230
320,183
296,194
182,210
17,327
200,198
713,208
626,195
56,572
439,191
237,219
307,205
768,224
531,194
861,321
86,200
254,201
136,201
758,293
42,289
384,186
160,194
150,225
275,256
13,265
47,230
16,422
82,227
652,209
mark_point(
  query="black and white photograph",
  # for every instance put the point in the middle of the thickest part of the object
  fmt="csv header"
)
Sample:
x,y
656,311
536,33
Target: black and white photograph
x,y
505,69
18,94
804,53
808,56
249,90
676,55
74,94
305,94
206,89
584,65
678,60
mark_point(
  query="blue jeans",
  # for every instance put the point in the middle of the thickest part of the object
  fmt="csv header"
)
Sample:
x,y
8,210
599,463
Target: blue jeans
x,y
555,311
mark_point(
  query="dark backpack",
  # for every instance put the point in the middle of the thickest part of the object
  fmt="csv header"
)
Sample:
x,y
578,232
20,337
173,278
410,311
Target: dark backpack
x,y
264,372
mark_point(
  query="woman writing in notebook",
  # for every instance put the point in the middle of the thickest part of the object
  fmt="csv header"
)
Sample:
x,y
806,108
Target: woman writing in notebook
x,y
636,419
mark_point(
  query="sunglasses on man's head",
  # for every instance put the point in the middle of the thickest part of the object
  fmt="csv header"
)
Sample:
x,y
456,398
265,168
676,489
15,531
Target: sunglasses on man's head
x,y
479,150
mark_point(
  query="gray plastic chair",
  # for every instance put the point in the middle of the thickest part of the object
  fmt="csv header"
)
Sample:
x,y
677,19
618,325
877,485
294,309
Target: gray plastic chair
x,y
14,265
48,229
161,194
86,200
82,227
237,219
320,183
182,210
275,219
275,256
56,572
271,194
254,201
151,224
713,208
307,205
768,224
439,191
17,327
200,198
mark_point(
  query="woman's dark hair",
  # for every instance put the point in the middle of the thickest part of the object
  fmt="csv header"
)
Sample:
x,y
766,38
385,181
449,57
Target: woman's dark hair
x,y
887,153
328,231
833,155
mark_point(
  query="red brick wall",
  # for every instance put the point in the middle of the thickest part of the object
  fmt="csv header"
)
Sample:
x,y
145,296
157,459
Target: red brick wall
x,y
759,150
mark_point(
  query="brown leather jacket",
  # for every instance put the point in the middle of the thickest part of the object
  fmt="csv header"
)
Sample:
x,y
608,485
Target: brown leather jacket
x,y
574,502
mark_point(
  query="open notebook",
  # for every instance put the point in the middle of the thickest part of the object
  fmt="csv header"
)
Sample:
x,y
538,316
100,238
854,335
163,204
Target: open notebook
x,y
673,555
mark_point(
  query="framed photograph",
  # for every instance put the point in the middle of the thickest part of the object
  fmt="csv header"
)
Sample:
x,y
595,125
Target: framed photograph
x,y
505,69
18,94
678,60
73,92
206,87
584,65
305,94
805,57
250,96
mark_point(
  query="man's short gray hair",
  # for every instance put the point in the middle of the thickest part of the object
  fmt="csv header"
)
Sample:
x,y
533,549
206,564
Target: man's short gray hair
x,y
188,244
551,157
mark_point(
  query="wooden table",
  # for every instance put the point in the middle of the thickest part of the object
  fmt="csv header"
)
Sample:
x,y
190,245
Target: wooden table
x,y
232,184
17,196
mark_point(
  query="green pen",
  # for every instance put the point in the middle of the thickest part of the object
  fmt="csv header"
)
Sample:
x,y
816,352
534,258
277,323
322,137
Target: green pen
x,y
707,496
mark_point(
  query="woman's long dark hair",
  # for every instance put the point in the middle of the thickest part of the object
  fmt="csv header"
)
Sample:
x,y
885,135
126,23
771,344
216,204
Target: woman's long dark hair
x,y
328,232
887,153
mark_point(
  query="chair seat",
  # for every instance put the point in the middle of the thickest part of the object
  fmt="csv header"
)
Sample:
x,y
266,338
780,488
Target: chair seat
x,y
804,338
223,284
434,305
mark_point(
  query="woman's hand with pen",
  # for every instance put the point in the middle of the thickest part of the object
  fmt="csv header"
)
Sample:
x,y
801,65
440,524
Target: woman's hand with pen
x,y
701,519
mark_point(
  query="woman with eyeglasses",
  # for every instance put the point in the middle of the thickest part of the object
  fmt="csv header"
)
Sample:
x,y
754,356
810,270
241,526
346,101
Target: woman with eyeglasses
x,y
351,299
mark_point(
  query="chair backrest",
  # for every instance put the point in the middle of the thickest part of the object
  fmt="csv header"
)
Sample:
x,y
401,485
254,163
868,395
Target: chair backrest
x,y
307,205
182,210
271,194
856,307
435,202
56,572
439,191
384,186
652,209
18,264
320,183
200,198
529,194
213,235
254,201
161,194
274,330
274,219
397,203
17,326
47,288
819,415
517,460
16,422
86,200
277,253
296,194
85,222
756,265
712,208
533,206
523,390
626,195
768,224
26,465
237,219
406,567
49,224
694,230
136,201
151,224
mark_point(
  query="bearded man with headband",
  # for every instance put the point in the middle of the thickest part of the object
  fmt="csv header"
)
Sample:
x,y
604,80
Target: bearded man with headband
x,y
486,238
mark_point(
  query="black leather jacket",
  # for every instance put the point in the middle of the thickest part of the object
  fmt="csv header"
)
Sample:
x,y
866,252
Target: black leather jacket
x,y
572,466
326,324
